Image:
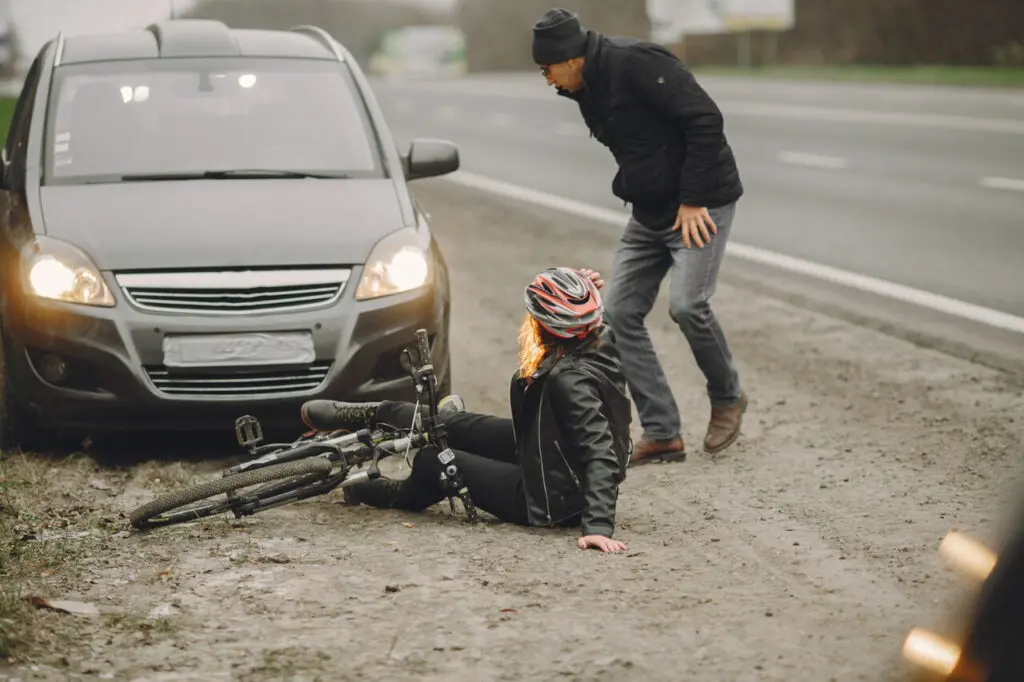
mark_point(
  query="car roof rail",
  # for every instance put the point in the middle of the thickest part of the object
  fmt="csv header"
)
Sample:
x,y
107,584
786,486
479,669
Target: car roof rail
x,y
58,55
322,36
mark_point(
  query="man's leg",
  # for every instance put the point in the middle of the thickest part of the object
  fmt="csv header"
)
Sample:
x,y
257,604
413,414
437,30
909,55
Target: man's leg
x,y
639,266
694,278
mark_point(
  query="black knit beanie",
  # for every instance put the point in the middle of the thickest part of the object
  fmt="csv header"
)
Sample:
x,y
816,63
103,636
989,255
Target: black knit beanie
x,y
558,37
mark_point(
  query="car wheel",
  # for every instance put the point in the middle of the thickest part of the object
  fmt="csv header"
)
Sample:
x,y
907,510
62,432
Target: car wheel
x,y
16,430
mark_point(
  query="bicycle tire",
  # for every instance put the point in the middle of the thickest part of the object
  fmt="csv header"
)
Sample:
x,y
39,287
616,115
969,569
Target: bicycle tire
x,y
142,517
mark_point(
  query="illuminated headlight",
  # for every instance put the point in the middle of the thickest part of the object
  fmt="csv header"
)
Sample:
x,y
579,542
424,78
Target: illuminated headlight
x,y
61,272
400,262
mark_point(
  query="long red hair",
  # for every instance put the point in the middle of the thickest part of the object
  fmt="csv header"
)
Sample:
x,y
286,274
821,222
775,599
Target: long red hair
x,y
534,346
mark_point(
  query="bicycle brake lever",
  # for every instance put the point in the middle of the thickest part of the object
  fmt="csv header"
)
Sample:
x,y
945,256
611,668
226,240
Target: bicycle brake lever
x,y
407,354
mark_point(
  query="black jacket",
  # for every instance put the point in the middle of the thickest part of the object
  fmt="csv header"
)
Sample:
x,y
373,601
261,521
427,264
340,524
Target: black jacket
x,y
572,434
664,130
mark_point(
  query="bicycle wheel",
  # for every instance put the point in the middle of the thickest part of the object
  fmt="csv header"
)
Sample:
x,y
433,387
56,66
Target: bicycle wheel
x,y
158,511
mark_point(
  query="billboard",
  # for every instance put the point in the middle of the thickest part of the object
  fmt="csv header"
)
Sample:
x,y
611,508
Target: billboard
x,y
672,19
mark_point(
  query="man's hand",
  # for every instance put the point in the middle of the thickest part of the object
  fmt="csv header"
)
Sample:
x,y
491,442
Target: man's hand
x,y
593,275
601,542
694,222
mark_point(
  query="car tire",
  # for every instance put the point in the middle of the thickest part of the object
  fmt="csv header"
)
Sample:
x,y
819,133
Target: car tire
x,y
16,429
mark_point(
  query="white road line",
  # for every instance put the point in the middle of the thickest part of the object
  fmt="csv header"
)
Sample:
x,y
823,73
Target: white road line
x,y
1003,183
813,160
891,290
1013,126
867,116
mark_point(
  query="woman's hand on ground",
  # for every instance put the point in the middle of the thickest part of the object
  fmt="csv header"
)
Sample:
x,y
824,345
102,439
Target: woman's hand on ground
x,y
602,543
593,275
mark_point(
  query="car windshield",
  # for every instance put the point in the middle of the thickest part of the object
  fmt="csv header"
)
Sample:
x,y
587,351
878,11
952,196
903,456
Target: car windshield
x,y
180,118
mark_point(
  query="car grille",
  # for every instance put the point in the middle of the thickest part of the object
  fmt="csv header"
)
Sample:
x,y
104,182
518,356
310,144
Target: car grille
x,y
240,382
233,292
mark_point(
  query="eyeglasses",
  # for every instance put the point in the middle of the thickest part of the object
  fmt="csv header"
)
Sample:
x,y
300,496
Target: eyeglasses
x,y
545,71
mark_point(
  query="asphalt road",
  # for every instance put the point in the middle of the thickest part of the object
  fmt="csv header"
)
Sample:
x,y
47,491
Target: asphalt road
x,y
921,187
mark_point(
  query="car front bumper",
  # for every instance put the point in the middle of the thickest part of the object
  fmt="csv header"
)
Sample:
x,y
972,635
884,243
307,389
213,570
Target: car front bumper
x,y
114,362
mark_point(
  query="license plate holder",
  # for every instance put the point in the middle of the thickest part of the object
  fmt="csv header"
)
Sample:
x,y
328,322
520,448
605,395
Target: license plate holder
x,y
187,351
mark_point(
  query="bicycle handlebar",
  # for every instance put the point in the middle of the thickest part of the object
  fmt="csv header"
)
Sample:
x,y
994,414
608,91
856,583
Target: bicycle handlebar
x,y
249,434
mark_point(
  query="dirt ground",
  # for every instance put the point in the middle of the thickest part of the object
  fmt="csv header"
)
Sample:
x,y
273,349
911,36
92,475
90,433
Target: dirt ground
x,y
805,552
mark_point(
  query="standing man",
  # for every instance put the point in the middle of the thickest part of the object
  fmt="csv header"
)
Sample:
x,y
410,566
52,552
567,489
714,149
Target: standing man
x,y
677,170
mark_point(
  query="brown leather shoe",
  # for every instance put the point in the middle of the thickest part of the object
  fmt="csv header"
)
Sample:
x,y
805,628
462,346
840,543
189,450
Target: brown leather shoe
x,y
724,426
646,451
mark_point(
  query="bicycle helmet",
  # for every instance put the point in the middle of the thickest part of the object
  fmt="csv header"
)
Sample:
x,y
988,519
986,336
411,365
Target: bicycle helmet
x,y
564,302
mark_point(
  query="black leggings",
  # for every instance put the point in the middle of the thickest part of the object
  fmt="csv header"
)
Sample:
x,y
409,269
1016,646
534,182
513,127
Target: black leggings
x,y
485,452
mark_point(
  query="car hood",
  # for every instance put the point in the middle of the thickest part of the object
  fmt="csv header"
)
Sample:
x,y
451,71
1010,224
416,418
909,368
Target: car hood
x,y
222,223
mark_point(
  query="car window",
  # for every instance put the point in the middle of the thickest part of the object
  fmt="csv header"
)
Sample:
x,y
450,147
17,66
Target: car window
x,y
112,119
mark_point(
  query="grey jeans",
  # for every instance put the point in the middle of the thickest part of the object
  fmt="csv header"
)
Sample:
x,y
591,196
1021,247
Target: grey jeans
x,y
641,262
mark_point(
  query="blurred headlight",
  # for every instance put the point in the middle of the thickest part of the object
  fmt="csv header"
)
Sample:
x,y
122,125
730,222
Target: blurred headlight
x,y
59,271
399,262
931,652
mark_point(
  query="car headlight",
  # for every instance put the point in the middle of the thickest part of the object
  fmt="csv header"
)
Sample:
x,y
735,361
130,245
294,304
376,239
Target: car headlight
x,y
59,271
399,262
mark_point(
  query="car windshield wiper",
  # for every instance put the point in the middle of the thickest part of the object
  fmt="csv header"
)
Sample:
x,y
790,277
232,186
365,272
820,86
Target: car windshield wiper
x,y
244,174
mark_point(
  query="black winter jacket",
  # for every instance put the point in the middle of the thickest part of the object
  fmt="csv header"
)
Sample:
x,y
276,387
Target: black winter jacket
x,y
664,130
572,434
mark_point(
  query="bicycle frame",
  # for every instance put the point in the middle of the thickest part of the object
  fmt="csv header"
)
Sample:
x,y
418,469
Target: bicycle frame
x,y
353,449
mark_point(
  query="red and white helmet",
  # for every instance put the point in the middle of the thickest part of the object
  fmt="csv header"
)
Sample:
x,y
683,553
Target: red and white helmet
x,y
565,303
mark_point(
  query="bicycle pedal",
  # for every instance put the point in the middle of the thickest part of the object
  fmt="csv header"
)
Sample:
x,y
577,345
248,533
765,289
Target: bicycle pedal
x,y
248,431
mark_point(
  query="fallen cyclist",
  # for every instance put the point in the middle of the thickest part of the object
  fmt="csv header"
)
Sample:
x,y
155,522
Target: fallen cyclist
x,y
561,457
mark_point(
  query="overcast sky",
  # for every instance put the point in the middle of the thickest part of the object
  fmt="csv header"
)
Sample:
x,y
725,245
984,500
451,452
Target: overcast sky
x,y
40,20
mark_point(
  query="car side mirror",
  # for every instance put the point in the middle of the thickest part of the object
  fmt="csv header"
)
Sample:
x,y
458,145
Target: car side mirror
x,y
429,158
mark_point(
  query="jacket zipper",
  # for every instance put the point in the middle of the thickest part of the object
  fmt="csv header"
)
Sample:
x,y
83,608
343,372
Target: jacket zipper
x,y
540,452
572,473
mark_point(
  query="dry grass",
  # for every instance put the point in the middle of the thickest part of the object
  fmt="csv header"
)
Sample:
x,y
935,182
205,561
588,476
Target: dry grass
x,y
45,523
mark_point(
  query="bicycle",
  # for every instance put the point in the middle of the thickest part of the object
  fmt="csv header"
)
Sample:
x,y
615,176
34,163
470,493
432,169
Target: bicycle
x,y
315,463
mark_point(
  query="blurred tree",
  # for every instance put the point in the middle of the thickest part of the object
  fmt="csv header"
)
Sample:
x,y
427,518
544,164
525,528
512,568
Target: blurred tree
x,y
12,53
893,32
357,24
499,32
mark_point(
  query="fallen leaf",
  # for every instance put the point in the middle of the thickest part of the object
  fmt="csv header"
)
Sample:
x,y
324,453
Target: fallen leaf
x,y
408,525
76,607
509,611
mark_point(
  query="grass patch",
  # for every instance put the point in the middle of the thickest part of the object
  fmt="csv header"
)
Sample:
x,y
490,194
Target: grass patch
x,y
45,530
6,114
995,76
